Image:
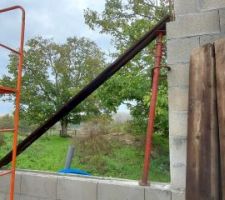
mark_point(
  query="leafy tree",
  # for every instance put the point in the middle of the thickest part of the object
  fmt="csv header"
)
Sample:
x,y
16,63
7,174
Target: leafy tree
x,y
126,21
52,74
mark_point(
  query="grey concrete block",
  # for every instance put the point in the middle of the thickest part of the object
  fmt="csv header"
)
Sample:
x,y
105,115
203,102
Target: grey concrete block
x,y
70,188
39,185
5,183
205,39
27,197
179,50
6,196
120,192
185,7
178,195
178,75
17,197
157,193
178,175
193,25
211,4
178,98
178,149
178,157
222,20
2,196
178,124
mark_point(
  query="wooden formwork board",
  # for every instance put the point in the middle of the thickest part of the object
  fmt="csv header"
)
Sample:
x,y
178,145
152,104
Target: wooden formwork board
x,y
220,85
202,143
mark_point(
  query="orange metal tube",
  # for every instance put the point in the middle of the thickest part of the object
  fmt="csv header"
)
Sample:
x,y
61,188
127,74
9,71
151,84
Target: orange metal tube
x,y
150,128
18,92
16,115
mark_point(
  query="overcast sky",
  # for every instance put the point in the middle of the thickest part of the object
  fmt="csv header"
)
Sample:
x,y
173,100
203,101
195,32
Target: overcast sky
x,y
57,19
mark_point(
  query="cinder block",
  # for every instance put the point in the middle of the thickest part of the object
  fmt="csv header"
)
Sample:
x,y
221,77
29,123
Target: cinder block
x,y
120,192
6,197
205,39
152,193
179,50
222,20
39,185
178,98
2,196
212,4
69,188
178,75
185,7
178,149
18,197
27,197
178,175
194,24
178,195
178,124
178,157
5,183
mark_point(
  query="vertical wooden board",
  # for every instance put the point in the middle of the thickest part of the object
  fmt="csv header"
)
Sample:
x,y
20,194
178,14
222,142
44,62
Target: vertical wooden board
x,y
202,141
220,81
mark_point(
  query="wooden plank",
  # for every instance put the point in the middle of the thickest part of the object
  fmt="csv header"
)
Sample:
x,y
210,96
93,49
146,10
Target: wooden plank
x,y
220,81
202,141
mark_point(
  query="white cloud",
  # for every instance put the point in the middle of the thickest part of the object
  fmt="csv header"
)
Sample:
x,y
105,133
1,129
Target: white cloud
x,y
50,18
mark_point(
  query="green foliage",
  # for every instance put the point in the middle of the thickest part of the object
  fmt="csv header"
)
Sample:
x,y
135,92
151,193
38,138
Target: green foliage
x,y
53,73
126,21
111,160
91,150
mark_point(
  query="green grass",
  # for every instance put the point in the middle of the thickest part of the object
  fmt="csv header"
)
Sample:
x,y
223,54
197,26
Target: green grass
x,y
122,161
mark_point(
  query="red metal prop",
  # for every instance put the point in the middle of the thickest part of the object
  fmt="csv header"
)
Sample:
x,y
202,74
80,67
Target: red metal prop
x,y
150,128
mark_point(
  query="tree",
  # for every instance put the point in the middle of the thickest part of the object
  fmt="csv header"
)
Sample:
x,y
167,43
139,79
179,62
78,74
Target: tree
x,y
126,21
52,74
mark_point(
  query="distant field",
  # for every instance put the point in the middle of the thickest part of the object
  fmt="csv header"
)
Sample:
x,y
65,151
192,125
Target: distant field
x,y
122,161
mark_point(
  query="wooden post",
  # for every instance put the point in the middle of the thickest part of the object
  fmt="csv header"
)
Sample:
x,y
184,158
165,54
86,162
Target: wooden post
x,y
220,81
202,141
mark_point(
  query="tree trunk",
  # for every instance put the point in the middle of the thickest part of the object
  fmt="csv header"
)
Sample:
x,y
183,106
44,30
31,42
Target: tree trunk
x,y
64,126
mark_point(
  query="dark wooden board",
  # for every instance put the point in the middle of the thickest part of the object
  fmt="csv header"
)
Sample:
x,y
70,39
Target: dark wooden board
x,y
202,141
220,81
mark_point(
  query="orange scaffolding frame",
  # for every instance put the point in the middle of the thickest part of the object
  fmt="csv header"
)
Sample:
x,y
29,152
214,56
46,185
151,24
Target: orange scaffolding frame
x,y
17,92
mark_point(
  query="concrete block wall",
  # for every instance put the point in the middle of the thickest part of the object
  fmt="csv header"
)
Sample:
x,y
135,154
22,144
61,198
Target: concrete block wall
x,y
32,185
197,22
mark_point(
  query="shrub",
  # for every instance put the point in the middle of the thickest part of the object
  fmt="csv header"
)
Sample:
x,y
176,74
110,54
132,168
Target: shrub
x,y
91,145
